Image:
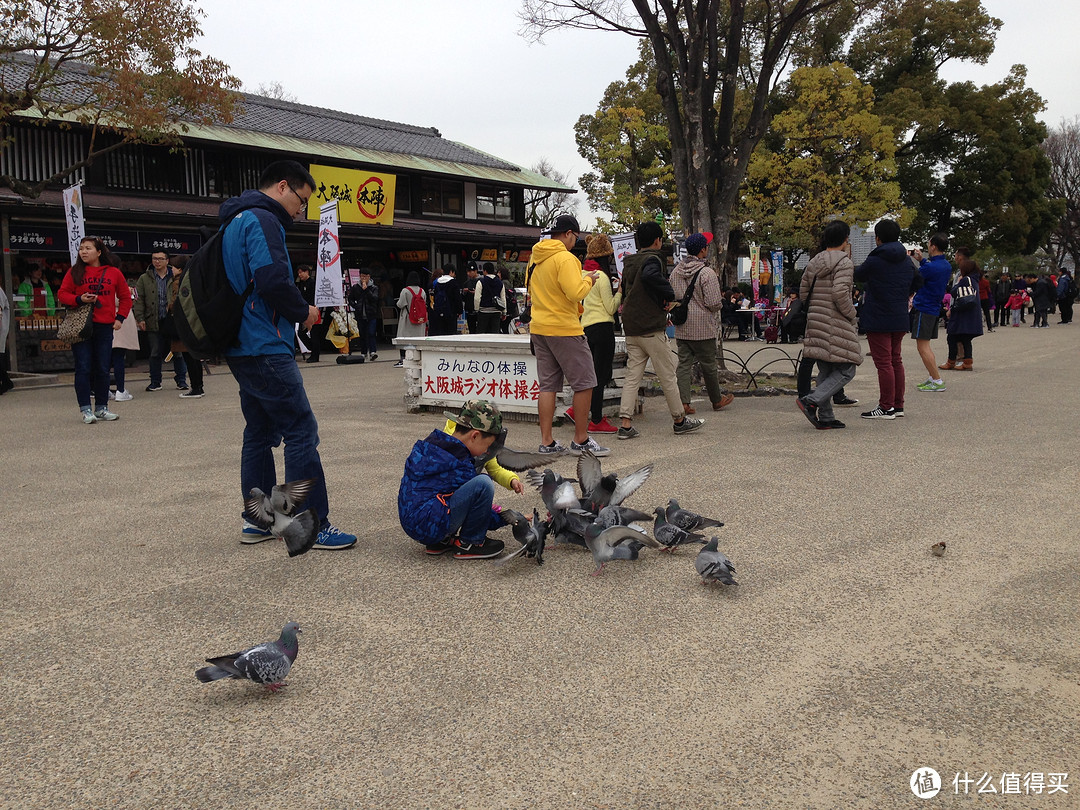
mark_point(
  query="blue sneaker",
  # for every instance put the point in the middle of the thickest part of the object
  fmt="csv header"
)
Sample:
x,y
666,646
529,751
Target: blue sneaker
x,y
332,538
251,534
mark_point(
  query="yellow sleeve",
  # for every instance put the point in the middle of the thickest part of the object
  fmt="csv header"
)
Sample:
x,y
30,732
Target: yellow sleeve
x,y
502,476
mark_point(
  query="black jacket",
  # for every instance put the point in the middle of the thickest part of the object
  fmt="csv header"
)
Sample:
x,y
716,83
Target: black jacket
x,y
646,291
890,278
364,302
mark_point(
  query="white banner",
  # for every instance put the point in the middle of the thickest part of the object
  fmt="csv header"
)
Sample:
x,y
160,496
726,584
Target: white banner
x,y
73,212
624,246
328,289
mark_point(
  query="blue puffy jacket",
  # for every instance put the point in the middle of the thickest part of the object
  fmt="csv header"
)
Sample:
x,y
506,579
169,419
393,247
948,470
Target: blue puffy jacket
x,y
890,278
254,247
436,468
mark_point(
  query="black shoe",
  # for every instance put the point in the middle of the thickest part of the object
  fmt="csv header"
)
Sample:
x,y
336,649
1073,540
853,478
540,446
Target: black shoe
x,y
313,358
845,401
478,551
809,410
830,424
153,387
440,547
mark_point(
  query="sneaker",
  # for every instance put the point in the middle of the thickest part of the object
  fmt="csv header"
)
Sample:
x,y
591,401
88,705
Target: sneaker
x,y
192,394
153,387
590,445
123,396
399,364
896,412
478,551
441,547
251,534
105,415
373,356
603,426
88,417
930,385
112,396
182,386
570,413
879,413
553,448
628,432
725,400
845,402
830,424
687,425
332,538
809,410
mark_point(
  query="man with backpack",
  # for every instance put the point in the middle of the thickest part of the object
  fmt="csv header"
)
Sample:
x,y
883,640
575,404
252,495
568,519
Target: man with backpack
x,y
272,396
489,301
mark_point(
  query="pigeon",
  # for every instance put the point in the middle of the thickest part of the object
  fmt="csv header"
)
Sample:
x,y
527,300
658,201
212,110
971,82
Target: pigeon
x,y
557,492
275,513
714,566
599,490
530,535
671,535
267,663
938,549
621,516
687,520
516,460
615,543
568,526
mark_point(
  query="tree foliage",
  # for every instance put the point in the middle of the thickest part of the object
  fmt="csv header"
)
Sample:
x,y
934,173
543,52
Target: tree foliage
x,y
1062,147
544,206
826,155
112,66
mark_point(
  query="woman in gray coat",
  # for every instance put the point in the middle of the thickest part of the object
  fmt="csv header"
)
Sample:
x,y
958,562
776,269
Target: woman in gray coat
x,y
405,327
831,337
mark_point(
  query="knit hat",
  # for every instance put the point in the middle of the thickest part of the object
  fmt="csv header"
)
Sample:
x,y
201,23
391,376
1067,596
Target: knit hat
x,y
697,242
598,244
478,414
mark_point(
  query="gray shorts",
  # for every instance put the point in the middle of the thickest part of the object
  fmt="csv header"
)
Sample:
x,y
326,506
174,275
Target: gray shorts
x,y
923,326
559,356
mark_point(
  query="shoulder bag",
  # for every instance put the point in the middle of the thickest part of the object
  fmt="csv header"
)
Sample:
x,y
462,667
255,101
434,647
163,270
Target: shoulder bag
x,y
678,313
78,324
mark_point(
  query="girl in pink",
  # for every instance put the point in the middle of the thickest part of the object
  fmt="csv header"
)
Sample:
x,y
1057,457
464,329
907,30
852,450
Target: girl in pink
x,y
1017,301
92,280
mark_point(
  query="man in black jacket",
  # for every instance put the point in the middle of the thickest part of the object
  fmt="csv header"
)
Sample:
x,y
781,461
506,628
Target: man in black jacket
x,y
1003,290
647,296
364,300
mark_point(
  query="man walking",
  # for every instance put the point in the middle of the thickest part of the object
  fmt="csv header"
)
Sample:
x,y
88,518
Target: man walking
x,y
150,308
647,297
890,278
272,396
556,287
926,306
831,337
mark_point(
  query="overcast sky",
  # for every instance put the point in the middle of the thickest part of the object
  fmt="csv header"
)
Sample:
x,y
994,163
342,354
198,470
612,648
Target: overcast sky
x,y
463,68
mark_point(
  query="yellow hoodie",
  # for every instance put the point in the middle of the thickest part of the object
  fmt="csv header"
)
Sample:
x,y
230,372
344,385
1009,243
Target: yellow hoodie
x,y
503,477
556,289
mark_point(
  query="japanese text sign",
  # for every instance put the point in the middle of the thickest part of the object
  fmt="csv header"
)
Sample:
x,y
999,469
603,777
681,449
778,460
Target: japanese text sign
x,y
365,197
328,291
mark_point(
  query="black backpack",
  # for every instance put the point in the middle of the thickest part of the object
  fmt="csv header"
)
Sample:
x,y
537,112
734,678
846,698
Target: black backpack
x,y
208,318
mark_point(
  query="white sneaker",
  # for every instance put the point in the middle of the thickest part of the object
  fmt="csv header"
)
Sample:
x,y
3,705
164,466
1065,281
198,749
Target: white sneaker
x,y
122,396
112,395
88,417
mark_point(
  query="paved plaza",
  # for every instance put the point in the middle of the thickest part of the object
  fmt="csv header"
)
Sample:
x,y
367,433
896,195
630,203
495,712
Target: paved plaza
x,y
847,658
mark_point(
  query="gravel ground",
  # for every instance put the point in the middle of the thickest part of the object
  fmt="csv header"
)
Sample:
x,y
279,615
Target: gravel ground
x,y
847,657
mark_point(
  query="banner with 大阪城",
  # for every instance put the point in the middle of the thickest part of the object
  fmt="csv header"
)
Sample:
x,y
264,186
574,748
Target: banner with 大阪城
x,y
364,197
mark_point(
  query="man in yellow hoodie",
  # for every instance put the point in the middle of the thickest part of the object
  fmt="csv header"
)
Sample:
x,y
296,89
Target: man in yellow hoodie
x,y
556,288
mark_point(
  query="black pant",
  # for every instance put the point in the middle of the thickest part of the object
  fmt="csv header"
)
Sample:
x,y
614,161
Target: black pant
x,y
470,319
195,373
986,313
1066,310
487,323
958,343
1040,316
318,334
1003,313
5,381
806,374
601,337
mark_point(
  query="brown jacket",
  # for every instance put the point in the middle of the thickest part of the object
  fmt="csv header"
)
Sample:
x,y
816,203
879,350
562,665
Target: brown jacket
x,y
830,324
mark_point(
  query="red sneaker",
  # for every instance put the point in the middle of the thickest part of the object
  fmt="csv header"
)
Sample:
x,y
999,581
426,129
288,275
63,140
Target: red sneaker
x,y
570,413
603,426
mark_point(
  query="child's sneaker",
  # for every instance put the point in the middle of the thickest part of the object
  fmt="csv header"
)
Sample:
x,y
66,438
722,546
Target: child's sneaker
x,y
332,538
441,547
591,446
603,426
478,551
251,534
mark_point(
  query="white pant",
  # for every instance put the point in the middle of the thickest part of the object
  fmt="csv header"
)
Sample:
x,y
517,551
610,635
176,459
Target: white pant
x,y
639,350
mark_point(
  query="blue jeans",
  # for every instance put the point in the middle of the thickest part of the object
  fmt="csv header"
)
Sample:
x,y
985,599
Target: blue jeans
x,y
118,364
159,347
366,328
276,407
92,360
470,509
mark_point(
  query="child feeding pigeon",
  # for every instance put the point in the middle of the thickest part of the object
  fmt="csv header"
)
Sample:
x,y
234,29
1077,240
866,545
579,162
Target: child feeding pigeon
x,y
444,502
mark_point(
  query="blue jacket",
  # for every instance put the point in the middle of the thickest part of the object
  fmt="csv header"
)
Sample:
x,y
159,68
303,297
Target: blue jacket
x,y
935,273
254,247
436,468
890,278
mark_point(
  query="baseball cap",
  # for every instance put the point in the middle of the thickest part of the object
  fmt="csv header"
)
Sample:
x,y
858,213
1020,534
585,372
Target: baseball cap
x,y
477,414
565,223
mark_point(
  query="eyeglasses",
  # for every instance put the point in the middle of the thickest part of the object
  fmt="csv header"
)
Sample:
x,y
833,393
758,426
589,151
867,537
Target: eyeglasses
x,y
303,202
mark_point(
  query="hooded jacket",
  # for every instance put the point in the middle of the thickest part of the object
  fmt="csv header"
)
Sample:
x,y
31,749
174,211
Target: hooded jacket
x,y
702,322
645,293
830,320
935,273
890,279
253,247
556,289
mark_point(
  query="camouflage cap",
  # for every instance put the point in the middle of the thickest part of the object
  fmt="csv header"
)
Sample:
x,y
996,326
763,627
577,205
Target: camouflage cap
x,y
478,414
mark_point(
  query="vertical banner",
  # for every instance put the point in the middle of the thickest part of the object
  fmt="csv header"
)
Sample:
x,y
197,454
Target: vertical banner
x,y
328,292
755,259
778,276
73,212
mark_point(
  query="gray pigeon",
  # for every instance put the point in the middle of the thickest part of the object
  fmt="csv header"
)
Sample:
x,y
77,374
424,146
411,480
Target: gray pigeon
x,y
530,535
615,543
276,513
714,566
599,490
671,535
557,492
685,519
567,526
267,663
621,516
516,460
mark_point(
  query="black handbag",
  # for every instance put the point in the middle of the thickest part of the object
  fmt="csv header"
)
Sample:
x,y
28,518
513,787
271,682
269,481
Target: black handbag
x,y
797,325
78,324
678,313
